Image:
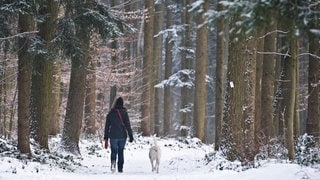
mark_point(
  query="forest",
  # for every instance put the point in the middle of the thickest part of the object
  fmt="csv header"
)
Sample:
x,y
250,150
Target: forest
x,y
241,74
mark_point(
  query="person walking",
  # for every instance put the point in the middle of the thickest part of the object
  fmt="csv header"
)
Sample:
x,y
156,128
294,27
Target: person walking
x,y
116,130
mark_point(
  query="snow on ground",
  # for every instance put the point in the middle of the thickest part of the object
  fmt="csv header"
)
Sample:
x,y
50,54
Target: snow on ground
x,y
181,160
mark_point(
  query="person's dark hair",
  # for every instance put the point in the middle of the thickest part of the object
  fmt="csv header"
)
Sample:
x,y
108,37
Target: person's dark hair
x,y
118,103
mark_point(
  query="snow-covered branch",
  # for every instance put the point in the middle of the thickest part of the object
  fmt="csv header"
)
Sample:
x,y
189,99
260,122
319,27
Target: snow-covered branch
x,y
19,35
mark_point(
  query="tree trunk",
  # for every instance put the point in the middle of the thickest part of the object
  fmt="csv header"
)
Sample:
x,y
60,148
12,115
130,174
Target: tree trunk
x,y
290,68
200,96
259,68
54,127
313,121
186,64
4,88
77,90
250,96
90,100
157,54
268,79
167,74
26,24
147,70
114,57
41,89
237,140
219,78
279,89
232,137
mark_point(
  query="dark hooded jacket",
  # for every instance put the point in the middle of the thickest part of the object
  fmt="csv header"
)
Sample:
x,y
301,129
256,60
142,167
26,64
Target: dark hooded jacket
x,y
114,128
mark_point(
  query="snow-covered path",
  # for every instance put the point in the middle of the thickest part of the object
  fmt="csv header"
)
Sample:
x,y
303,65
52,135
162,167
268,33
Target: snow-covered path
x,y
180,161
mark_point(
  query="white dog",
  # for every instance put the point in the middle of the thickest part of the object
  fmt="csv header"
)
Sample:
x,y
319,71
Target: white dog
x,y
155,155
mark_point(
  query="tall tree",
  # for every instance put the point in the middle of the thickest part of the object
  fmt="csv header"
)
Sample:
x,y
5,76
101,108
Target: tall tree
x,y
200,95
186,58
268,79
157,59
221,38
41,89
238,120
313,121
26,24
290,90
250,95
232,137
76,96
168,71
259,71
114,58
82,18
147,70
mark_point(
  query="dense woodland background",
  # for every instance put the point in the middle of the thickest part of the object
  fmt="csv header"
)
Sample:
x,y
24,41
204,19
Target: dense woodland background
x,y
241,74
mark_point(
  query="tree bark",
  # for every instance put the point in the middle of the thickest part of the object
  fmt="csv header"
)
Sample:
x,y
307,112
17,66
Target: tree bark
x,y
250,96
232,137
77,90
26,24
313,121
54,127
290,68
259,69
186,59
90,99
219,78
41,89
268,79
237,140
157,54
200,100
167,74
147,69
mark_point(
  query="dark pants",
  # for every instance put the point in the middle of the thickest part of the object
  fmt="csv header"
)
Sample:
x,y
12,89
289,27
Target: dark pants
x,y
117,147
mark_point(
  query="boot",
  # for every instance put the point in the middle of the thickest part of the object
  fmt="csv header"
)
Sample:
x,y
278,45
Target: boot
x,y
120,168
113,166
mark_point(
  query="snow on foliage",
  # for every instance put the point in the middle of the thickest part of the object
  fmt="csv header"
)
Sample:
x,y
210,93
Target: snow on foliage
x,y
315,32
182,78
307,150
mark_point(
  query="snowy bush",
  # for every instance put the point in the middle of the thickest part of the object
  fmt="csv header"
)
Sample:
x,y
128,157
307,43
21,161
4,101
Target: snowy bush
x,y
217,161
7,147
307,153
273,150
